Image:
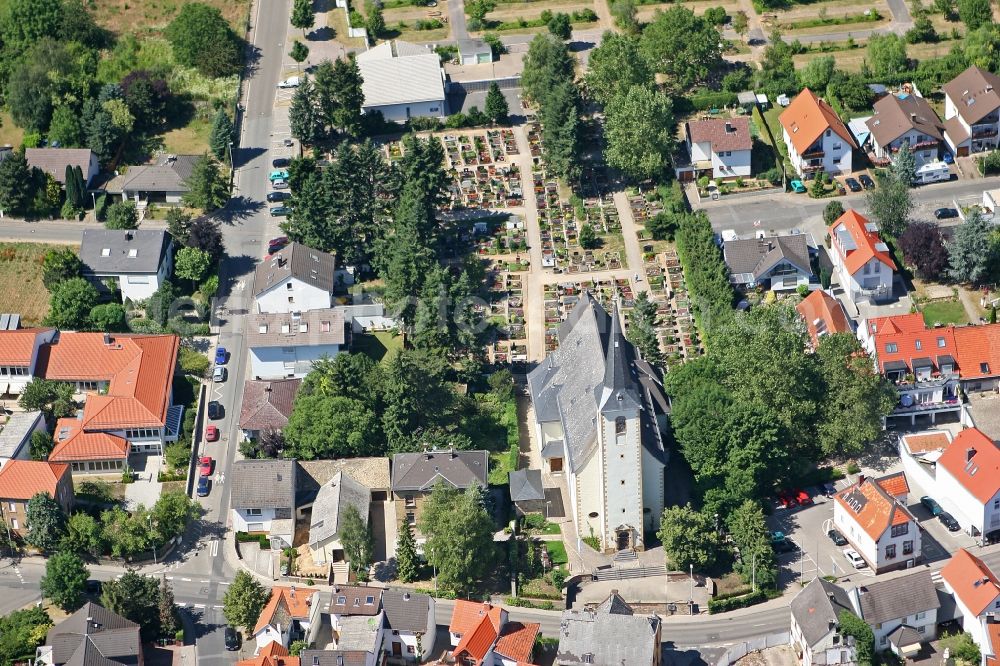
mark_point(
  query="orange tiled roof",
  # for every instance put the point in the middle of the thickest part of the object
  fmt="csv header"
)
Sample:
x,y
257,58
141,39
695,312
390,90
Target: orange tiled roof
x,y
139,370
807,117
467,615
993,634
978,350
894,484
517,640
872,508
73,443
971,580
272,654
975,349
479,624
22,479
974,460
866,241
823,314
932,441
16,347
296,602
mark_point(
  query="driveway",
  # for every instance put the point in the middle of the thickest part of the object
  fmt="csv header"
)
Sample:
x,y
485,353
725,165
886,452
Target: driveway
x,y
145,490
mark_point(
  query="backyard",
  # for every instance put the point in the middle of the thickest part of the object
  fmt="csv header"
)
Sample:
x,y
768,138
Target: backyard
x,y
945,311
21,288
380,346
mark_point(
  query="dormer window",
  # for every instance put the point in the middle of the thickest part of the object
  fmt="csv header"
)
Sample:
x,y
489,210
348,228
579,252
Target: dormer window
x,y
940,342
891,348
341,600
369,601
918,344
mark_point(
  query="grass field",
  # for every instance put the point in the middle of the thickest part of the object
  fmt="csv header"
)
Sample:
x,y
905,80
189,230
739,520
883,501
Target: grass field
x,y
557,552
381,346
10,134
944,312
192,139
21,288
149,16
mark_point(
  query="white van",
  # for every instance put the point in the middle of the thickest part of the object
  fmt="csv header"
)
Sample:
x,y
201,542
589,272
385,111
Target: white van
x,y
933,172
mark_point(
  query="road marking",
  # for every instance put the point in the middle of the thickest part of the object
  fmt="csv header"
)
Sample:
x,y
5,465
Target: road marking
x,y
217,607
186,580
169,577
198,605
215,547
223,582
205,581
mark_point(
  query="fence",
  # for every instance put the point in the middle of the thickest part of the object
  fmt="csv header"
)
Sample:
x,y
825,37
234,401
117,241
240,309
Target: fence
x,y
467,87
617,573
740,650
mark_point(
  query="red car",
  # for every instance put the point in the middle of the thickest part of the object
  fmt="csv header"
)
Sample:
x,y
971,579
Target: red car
x,y
786,499
205,464
212,433
802,497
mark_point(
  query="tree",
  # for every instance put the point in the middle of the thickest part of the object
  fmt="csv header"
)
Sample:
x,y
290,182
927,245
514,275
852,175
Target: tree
x,y
922,31
970,254
587,238
137,598
40,445
304,118
356,538
740,23
683,47
74,195
924,248
689,538
560,117
202,38
749,532
642,329
192,263
83,536
459,535
303,16
244,600
778,73
322,426
64,580
904,164
864,637
339,96
616,66
981,47
624,12
178,223
890,204
54,399
547,64
15,184
70,304
817,73
60,265
158,305
832,212
375,22
46,522
299,52
166,609
975,13
109,317
638,130
406,554
886,54
208,189
21,633
171,515
122,215
25,22
496,105
478,9
560,25
222,132
126,534
65,128
205,234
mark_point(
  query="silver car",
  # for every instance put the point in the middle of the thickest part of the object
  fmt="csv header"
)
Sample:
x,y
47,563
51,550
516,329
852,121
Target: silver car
x,y
219,374
279,184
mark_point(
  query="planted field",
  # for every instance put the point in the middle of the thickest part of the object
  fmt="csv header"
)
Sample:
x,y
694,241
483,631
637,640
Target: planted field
x,y
21,288
144,17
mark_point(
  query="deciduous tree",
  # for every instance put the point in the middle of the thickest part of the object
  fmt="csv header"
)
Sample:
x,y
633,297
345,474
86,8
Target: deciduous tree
x,y
970,254
560,25
356,538
15,184
192,263
122,215
46,522
21,633
689,538
40,445
749,532
322,427
109,317
975,13
83,535
459,536
244,600
64,580
54,399
890,204
135,597
304,117
202,38
685,48
70,304
924,248
886,54
303,16
60,265
638,129
616,66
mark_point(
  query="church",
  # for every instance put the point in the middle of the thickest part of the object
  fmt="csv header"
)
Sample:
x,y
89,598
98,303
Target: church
x,y
596,404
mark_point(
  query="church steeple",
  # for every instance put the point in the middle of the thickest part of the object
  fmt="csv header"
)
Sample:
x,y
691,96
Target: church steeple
x,y
619,389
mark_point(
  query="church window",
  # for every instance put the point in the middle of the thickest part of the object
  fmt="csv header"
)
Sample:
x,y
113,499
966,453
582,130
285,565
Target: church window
x,y
620,425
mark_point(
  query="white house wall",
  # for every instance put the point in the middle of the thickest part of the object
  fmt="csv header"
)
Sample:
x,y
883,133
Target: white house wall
x,y
400,113
837,153
701,152
735,164
242,521
921,155
966,509
304,297
589,498
623,475
652,491
279,362
925,623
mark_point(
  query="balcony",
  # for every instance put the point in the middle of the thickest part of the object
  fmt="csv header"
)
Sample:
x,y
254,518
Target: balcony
x,y
813,153
935,381
984,131
929,143
926,407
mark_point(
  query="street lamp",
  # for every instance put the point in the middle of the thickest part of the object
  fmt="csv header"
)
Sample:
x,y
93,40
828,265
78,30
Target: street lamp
x,y
149,521
692,582
547,502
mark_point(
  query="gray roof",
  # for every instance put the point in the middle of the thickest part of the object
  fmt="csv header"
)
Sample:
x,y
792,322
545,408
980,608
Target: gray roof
x,y
358,632
420,471
94,636
169,174
295,261
267,404
117,251
817,606
16,432
333,498
615,604
905,635
296,329
407,611
333,658
399,73
263,484
757,256
897,598
470,47
312,474
354,599
609,636
54,160
526,485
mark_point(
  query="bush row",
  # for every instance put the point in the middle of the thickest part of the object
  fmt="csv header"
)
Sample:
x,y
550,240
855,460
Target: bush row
x,y
725,604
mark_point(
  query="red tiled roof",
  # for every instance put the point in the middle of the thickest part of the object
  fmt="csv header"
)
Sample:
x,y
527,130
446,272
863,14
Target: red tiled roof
x,y
899,339
296,604
872,508
865,241
894,484
272,654
971,580
993,635
517,640
974,460
479,624
22,479
978,350
80,445
807,117
823,314
722,133
16,347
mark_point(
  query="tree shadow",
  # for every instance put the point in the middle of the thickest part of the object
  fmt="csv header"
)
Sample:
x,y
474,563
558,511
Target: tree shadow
x,y
252,56
238,209
243,156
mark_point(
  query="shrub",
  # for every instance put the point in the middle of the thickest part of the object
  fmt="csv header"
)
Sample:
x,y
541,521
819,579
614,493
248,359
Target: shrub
x,y
193,363
853,468
732,603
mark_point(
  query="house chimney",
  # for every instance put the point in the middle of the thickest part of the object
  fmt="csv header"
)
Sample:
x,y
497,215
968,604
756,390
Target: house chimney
x,y
913,116
292,591
729,128
861,479
969,453
107,338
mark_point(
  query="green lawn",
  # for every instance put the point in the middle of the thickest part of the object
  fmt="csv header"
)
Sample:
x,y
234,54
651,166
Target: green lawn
x,y
945,312
557,552
380,346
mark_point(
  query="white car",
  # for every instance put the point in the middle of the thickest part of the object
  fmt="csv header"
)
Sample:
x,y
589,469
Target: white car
x,y
290,82
279,184
855,559
219,374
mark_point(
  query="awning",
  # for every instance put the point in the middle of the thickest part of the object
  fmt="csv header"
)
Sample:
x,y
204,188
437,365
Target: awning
x,y
891,366
922,362
553,449
905,640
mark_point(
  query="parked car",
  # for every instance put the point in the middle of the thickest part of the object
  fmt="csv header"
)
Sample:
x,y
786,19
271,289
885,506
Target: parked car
x,y
949,521
945,213
278,197
215,410
829,489
856,560
280,162
785,499
93,587
205,464
280,211
853,184
219,374
279,184
290,82
948,158
802,498
276,244
797,186
991,538
837,538
221,356
232,639
277,174
204,486
866,181
931,505
212,433
786,545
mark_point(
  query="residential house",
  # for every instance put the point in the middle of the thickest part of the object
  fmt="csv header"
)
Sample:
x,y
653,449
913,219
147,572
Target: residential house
x,y
595,404
972,111
919,453
610,634
779,263
526,491
54,161
872,516
816,138
333,658
823,315
15,435
267,404
902,612
415,474
273,654
20,480
906,118
19,356
976,590
718,148
401,80
861,260
92,635
815,628
353,601
411,629
262,496
968,481
481,634
365,635
332,501
291,614
285,345
311,475
135,261
165,181
294,279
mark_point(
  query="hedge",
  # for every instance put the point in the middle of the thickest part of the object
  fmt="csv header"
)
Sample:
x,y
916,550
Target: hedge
x,y
712,100
732,603
246,537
